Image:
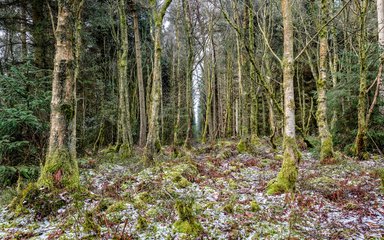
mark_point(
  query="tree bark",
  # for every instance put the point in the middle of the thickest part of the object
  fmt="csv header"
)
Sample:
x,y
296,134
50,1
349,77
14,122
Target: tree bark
x,y
143,114
361,137
380,20
286,179
124,140
153,143
60,169
326,150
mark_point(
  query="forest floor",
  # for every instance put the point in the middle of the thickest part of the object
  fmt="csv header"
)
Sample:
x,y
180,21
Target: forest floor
x,y
221,191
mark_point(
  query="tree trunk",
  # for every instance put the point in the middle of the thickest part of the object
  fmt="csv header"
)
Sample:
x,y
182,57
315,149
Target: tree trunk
x,y
60,169
124,140
153,144
361,137
326,150
380,20
189,72
286,179
143,114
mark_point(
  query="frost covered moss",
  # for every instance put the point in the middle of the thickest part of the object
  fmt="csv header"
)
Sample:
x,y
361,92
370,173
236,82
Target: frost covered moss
x,y
286,178
90,225
187,222
116,207
255,207
141,223
60,171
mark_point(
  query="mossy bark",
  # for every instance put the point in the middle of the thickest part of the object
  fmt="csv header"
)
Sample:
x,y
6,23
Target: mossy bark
x,y
60,169
154,108
286,178
124,134
143,114
189,72
326,149
360,146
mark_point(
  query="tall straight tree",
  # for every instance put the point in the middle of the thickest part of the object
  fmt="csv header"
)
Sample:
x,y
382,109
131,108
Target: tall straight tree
x,y
124,134
143,114
189,71
326,150
60,168
286,179
361,137
380,20
153,125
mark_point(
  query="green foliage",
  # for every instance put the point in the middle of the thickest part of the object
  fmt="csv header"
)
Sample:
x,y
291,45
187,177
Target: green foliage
x,y
187,222
24,111
10,175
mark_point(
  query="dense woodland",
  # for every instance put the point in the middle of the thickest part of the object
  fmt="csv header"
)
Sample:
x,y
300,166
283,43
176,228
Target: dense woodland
x,y
125,106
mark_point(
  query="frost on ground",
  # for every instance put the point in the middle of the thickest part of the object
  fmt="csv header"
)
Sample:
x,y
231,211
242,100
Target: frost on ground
x,y
227,193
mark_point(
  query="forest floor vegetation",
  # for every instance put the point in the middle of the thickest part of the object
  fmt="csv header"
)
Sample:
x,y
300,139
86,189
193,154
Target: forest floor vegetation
x,y
210,191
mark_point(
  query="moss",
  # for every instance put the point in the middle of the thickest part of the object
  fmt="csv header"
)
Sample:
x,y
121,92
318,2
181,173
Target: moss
x,y
141,223
45,202
116,207
255,207
141,200
232,184
279,157
242,146
103,205
326,151
125,151
229,208
183,183
187,222
286,178
90,225
60,171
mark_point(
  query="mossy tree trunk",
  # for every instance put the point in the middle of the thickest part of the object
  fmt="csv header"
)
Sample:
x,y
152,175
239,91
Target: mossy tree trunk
x,y
380,20
286,178
60,169
326,150
229,95
189,71
361,137
124,134
143,114
152,144
177,80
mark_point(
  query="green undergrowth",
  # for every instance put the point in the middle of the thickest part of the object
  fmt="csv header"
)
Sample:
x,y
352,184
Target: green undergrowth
x,y
187,223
